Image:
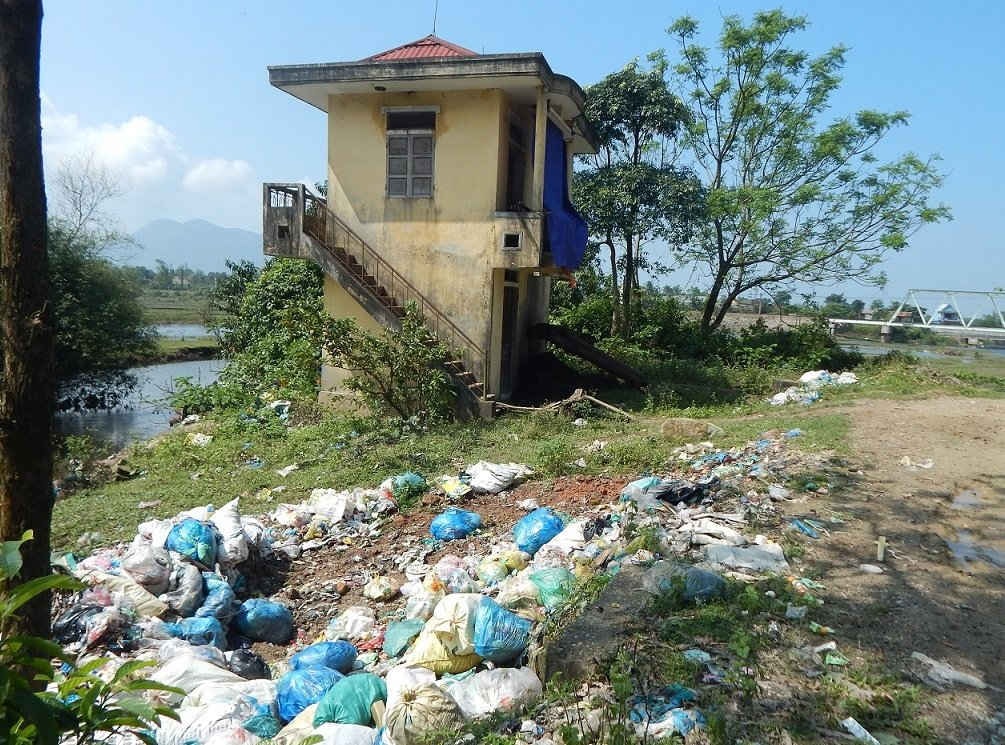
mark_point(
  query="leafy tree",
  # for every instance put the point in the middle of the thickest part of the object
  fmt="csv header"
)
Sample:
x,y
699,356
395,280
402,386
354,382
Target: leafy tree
x,y
398,372
274,341
227,296
789,198
27,392
630,192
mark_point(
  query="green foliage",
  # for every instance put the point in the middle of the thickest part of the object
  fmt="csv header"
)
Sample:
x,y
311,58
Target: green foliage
x,y
192,398
396,373
99,321
630,192
274,339
789,198
83,705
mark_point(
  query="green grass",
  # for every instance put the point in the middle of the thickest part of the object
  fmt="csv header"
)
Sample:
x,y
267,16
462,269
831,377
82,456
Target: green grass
x,y
168,346
175,306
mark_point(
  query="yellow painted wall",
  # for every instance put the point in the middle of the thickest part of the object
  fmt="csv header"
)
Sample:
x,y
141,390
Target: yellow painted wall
x,y
446,246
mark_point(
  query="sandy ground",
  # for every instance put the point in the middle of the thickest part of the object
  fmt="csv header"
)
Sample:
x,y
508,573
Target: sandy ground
x,y
948,606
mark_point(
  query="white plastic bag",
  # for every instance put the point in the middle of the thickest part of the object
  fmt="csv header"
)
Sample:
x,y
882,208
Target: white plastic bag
x,y
331,504
188,592
353,623
453,620
233,546
495,477
188,673
345,734
572,538
149,565
144,602
155,531
501,689
419,710
219,723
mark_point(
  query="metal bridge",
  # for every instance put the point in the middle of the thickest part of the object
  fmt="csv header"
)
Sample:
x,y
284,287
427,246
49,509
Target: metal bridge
x,y
947,318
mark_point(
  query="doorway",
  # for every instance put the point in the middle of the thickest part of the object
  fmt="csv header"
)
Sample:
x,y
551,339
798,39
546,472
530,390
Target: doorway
x,y
508,350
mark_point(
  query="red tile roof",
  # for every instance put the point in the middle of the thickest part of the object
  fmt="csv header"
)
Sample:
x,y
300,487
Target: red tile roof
x,y
429,47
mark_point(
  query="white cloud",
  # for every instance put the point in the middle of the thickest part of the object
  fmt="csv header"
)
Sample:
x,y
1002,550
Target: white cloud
x,y
218,174
139,149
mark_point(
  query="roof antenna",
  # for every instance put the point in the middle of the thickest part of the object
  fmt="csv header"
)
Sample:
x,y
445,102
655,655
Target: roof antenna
x,y
436,10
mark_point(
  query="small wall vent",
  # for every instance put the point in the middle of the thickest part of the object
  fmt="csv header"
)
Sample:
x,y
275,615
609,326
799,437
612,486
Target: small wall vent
x,y
511,241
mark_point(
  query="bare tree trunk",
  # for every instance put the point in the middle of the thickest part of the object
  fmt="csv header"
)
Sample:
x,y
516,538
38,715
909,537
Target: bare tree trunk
x,y
26,395
626,289
615,299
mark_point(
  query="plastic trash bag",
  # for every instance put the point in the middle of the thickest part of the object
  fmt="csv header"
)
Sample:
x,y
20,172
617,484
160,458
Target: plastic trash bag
x,y
144,602
350,699
301,688
501,689
356,622
248,665
213,724
188,592
188,673
380,588
340,655
234,545
698,584
460,581
265,726
765,557
495,477
639,488
399,635
406,487
422,604
453,620
422,709
150,566
453,523
518,592
220,600
199,631
264,621
572,538
553,585
71,626
429,652
492,571
168,649
345,734
194,540
536,529
499,634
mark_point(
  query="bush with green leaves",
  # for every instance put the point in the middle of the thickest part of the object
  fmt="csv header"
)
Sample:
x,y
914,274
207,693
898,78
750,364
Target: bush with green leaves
x,y
397,373
43,705
274,339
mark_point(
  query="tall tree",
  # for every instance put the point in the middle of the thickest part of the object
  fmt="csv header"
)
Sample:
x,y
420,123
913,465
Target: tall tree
x,y
790,199
26,395
630,192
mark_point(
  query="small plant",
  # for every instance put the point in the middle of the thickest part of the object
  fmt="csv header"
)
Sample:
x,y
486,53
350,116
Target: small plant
x,y
77,701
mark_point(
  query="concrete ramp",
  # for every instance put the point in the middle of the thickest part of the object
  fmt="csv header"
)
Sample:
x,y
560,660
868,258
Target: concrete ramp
x,y
577,345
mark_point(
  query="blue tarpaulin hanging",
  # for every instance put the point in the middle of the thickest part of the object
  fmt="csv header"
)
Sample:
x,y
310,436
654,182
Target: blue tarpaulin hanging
x,y
566,229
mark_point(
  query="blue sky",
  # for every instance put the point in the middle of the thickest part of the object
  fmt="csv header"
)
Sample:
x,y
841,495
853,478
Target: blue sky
x,y
174,98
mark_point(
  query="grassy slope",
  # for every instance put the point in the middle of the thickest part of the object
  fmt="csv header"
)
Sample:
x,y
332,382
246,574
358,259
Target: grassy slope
x,y
333,454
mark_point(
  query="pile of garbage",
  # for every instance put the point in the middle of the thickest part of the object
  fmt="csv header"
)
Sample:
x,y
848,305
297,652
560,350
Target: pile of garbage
x,y
808,389
437,644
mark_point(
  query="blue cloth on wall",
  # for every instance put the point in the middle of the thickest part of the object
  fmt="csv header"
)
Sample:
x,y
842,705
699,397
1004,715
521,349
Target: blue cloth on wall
x,y
566,228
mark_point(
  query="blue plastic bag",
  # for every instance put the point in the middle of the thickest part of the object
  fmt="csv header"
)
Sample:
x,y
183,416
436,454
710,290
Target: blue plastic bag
x,y
194,540
499,634
220,601
199,631
340,655
536,529
264,621
301,688
453,523
408,486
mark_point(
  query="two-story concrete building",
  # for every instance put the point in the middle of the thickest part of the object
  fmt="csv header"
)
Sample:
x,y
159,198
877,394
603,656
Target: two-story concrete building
x,y
448,186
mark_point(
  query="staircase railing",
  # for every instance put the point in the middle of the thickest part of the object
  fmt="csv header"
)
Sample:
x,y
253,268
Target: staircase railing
x,y
327,228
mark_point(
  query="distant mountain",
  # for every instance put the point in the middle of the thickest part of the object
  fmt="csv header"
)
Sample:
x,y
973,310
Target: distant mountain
x,y
197,243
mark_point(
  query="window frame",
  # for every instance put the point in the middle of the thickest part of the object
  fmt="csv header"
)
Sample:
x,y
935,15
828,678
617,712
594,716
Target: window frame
x,y
410,157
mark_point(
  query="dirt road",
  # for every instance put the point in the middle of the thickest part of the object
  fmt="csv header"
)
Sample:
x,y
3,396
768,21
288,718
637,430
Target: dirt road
x,y
943,589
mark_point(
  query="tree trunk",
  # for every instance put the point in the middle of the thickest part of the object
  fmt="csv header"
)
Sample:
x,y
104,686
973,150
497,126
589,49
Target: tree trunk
x,y
626,289
615,299
27,392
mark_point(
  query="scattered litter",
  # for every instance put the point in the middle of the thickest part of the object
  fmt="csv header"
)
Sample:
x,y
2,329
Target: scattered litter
x,y
796,612
913,465
870,569
859,732
287,470
199,439
493,478
941,675
453,524
765,557
808,390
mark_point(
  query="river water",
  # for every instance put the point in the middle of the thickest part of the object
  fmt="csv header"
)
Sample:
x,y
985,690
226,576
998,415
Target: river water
x,y
963,354
145,412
